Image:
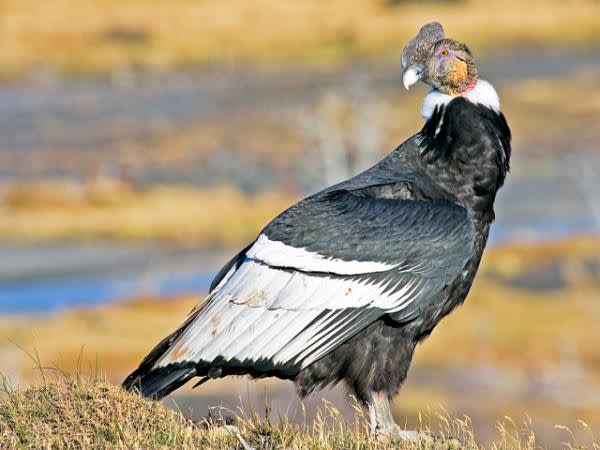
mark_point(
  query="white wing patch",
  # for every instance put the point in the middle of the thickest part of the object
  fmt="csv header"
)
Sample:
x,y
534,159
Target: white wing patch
x,y
278,254
483,93
263,312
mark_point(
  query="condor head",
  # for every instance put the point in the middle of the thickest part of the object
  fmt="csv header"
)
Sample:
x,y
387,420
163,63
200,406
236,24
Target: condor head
x,y
445,64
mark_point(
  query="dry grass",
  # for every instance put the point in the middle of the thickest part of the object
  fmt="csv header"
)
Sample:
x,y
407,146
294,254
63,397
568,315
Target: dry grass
x,y
512,259
530,107
70,413
47,211
80,414
107,35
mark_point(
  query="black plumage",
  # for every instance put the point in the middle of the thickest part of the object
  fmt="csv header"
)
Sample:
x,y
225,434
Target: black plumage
x,y
421,217
464,152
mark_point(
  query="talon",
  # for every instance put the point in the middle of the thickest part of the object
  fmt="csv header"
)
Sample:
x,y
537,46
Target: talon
x,y
397,433
225,430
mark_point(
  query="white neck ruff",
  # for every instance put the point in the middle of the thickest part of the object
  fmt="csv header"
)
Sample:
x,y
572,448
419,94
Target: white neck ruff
x,y
483,93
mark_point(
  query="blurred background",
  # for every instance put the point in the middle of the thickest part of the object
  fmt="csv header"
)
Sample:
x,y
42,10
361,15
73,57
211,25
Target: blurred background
x,y
144,142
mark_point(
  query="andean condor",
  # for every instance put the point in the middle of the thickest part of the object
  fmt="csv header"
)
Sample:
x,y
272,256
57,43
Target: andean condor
x,y
344,284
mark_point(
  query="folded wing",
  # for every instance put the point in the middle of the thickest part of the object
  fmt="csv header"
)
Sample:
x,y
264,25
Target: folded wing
x,y
318,274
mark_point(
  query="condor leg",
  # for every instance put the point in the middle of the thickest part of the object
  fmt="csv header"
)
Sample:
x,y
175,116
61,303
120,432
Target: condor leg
x,y
382,421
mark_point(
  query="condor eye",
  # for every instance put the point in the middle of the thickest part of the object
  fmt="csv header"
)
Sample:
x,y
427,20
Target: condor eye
x,y
444,52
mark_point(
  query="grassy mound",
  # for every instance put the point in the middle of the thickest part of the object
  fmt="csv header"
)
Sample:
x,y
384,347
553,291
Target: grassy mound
x,y
75,413
81,414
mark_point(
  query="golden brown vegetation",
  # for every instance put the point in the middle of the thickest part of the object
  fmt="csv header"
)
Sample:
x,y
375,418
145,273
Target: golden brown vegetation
x,y
530,108
73,413
110,338
515,258
107,210
106,35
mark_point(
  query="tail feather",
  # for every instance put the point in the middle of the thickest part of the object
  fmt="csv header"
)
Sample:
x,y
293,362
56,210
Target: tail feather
x,y
157,382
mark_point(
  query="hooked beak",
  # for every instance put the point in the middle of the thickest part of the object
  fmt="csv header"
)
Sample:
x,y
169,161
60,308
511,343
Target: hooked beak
x,y
412,74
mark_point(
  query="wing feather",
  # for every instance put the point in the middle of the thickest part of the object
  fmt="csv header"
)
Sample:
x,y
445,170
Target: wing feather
x,y
301,291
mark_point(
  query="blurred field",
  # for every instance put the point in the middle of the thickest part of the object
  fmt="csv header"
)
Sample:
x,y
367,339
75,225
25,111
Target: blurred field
x,y
109,35
114,209
531,107
108,209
